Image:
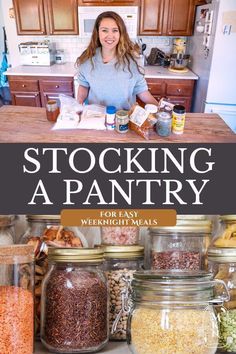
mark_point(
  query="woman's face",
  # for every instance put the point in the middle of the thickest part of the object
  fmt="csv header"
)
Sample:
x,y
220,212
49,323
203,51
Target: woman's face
x,y
109,34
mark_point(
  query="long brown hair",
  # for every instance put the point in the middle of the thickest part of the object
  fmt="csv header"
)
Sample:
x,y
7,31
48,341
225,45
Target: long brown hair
x,y
126,50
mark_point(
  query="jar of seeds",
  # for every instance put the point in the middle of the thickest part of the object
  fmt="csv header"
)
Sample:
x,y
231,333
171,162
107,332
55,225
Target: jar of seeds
x,y
74,314
120,264
180,247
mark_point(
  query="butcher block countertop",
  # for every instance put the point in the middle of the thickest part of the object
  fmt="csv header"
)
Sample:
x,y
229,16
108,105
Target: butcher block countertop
x,y
29,125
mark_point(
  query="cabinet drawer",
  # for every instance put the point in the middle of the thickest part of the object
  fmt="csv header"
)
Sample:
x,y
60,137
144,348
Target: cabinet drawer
x,y
56,86
175,88
24,86
156,87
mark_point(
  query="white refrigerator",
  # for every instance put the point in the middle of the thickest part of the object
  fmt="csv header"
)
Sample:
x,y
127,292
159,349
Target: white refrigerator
x,y
213,59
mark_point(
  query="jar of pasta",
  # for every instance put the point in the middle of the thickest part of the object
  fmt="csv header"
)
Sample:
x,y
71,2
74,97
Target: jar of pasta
x,y
120,264
173,312
46,231
183,246
17,299
74,317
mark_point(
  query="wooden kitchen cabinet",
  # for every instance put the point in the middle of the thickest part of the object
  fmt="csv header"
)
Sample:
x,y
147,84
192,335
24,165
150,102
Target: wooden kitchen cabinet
x,y
176,91
36,91
42,17
167,17
108,2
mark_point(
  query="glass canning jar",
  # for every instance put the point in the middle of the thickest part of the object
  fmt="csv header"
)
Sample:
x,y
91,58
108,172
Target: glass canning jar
x,y
120,235
74,314
120,264
44,231
173,312
226,233
7,231
183,246
16,299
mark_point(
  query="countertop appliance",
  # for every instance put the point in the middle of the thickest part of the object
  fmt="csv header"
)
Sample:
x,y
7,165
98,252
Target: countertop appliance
x,y
178,59
37,53
88,15
213,52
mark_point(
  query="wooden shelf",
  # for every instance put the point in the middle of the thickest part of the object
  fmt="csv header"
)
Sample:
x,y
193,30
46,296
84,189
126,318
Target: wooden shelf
x,y
111,348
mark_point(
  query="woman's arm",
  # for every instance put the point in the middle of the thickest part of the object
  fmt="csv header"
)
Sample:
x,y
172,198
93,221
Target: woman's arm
x,y
147,97
82,94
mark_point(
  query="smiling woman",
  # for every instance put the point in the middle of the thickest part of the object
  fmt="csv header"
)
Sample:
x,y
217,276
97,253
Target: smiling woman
x,y
108,70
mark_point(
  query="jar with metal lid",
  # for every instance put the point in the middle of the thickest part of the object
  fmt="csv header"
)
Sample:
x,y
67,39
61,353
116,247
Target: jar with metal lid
x,y
17,299
183,246
74,314
122,121
119,235
7,231
226,233
46,231
173,312
120,264
222,263
152,110
163,125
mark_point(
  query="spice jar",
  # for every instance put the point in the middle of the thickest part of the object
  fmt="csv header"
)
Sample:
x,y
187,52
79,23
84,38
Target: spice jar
x,y
178,119
52,110
222,263
183,246
44,231
7,231
120,235
163,125
122,121
173,312
120,265
59,56
16,299
74,316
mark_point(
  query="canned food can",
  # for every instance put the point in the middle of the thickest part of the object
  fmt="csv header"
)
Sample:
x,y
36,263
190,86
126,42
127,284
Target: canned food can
x,y
178,119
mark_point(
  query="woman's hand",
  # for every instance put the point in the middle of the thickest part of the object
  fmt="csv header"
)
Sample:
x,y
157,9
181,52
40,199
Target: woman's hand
x,y
147,97
82,94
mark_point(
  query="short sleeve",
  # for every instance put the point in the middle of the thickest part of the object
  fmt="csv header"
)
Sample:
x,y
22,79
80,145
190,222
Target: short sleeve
x,y
82,76
141,84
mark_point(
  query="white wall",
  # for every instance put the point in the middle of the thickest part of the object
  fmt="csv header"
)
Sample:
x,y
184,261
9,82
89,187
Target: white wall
x,y
72,45
1,32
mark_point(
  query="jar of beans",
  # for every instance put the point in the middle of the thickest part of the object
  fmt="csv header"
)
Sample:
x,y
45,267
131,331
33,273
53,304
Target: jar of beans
x,y
120,235
181,247
16,299
120,264
74,317
173,312
222,262
46,231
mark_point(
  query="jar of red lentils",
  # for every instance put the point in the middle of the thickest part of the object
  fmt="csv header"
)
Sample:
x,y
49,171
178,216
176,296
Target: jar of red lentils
x,y
119,235
181,247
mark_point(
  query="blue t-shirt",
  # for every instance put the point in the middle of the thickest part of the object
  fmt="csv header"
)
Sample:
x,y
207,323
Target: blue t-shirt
x,y
111,86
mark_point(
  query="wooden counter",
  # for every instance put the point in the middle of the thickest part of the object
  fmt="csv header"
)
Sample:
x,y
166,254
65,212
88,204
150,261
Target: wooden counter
x,y
29,125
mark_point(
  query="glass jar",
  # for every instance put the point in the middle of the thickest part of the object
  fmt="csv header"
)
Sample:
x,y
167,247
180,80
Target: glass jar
x,y
74,317
173,312
222,263
44,231
120,235
163,126
226,234
120,264
183,246
16,299
122,121
7,231
52,110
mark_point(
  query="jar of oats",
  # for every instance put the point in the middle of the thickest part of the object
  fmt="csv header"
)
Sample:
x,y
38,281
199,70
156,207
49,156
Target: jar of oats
x,y
120,264
180,247
173,312
17,299
74,314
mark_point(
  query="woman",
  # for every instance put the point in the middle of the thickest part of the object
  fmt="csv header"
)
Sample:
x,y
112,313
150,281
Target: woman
x,y
108,70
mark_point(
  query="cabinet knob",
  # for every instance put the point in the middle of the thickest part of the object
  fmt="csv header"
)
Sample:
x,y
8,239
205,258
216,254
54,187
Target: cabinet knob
x,y
149,88
36,94
179,90
57,86
23,85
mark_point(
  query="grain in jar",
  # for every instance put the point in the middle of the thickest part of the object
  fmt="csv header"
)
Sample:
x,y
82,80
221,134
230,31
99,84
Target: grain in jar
x,y
172,312
119,235
120,264
16,299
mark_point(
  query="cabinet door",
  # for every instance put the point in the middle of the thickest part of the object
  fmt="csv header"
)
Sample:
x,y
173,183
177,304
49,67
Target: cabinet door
x,y
152,17
30,17
180,18
26,99
51,88
179,87
109,2
62,16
